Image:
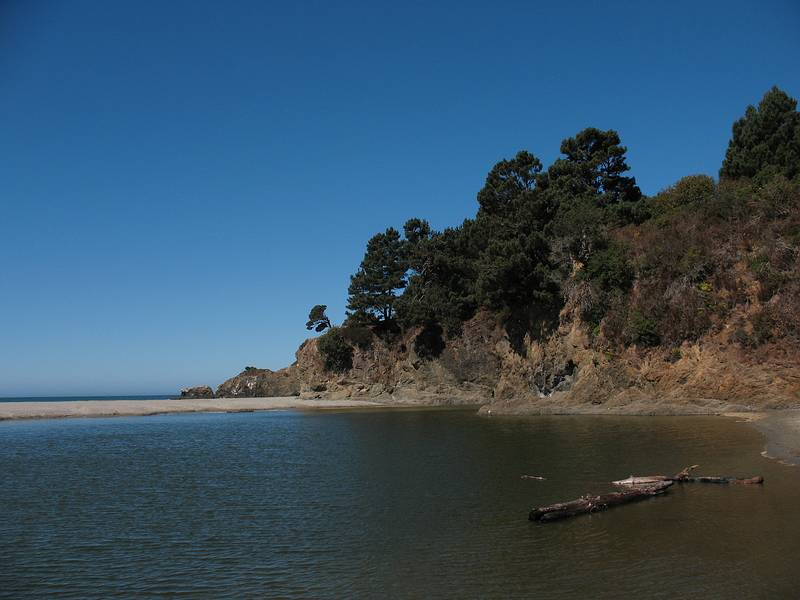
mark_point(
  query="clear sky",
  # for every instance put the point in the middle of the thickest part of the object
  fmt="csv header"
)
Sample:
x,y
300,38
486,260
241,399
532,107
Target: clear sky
x,y
181,181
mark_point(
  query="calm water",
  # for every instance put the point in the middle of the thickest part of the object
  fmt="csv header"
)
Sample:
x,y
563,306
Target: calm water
x,y
422,504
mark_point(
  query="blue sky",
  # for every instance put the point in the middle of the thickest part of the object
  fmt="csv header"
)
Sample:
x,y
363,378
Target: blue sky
x,y
181,181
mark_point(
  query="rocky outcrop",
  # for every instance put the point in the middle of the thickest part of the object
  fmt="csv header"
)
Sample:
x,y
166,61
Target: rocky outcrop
x,y
261,383
200,391
465,370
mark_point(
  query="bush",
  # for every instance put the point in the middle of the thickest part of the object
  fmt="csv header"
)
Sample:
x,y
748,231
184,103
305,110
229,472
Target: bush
x,y
642,330
429,343
691,190
358,335
694,189
763,323
674,355
740,337
338,354
610,269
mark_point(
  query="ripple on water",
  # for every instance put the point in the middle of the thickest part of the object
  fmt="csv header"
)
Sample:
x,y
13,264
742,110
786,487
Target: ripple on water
x,y
407,505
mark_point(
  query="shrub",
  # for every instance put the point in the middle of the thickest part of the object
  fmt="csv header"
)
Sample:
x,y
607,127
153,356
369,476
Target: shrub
x,y
358,335
610,269
429,343
740,337
693,189
338,354
674,355
642,330
763,323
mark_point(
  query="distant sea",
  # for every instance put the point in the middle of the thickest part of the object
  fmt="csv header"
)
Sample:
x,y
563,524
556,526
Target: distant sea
x,y
78,398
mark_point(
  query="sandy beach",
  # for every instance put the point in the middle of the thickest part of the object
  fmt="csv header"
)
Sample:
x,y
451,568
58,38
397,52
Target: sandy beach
x,y
131,408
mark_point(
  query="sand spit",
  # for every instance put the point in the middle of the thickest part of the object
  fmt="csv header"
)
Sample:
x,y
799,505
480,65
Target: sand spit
x,y
131,408
782,430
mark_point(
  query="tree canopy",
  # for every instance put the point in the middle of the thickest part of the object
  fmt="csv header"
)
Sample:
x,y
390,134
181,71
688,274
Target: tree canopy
x,y
766,140
546,240
372,291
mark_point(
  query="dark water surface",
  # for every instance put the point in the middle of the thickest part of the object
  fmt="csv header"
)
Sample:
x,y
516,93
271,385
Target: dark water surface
x,y
409,504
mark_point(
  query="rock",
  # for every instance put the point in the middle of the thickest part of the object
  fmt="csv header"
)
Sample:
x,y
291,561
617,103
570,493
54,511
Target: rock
x,y
261,383
200,391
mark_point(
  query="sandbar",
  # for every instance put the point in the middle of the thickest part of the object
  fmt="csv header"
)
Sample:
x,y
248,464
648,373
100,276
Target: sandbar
x,y
131,408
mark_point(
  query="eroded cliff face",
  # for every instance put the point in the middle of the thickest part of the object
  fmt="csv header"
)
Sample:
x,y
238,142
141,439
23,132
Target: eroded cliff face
x,y
566,372
464,372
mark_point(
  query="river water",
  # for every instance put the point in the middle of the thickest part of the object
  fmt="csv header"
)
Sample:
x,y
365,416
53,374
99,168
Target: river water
x,y
391,504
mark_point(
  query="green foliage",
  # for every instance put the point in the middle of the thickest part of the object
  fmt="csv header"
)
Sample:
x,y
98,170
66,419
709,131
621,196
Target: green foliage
x,y
442,288
508,183
381,274
691,191
317,319
694,189
594,164
766,141
357,335
642,330
335,350
515,270
610,275
610,269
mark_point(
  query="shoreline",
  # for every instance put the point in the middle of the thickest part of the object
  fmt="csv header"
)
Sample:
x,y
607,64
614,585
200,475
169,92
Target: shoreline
x,y
781,431
15,411
780,427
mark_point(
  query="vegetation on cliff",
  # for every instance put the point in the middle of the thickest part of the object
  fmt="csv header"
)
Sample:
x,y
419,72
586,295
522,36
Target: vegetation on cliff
x,y
581,237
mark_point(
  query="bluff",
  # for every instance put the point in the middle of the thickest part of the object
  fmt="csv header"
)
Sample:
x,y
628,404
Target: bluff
x,y
563,373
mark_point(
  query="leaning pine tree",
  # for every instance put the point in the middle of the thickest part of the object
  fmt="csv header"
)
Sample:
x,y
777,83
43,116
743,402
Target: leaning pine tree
x,y
317,319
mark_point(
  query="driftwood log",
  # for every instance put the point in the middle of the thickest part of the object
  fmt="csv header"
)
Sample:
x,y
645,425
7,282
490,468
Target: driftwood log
x,y
684,476
589,503
635,488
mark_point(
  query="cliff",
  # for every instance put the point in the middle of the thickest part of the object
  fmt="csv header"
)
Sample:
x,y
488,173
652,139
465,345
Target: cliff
x,y
563,373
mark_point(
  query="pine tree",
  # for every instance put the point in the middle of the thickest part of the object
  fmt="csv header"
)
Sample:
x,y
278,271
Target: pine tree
x,y
766,140
317,319
382,273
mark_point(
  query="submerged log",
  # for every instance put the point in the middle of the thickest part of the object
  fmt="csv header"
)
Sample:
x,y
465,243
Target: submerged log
x,y
633,480
758,479
589,503
685,477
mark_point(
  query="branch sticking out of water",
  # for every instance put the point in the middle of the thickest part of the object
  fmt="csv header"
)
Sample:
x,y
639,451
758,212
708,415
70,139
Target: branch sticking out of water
x,y
635,488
